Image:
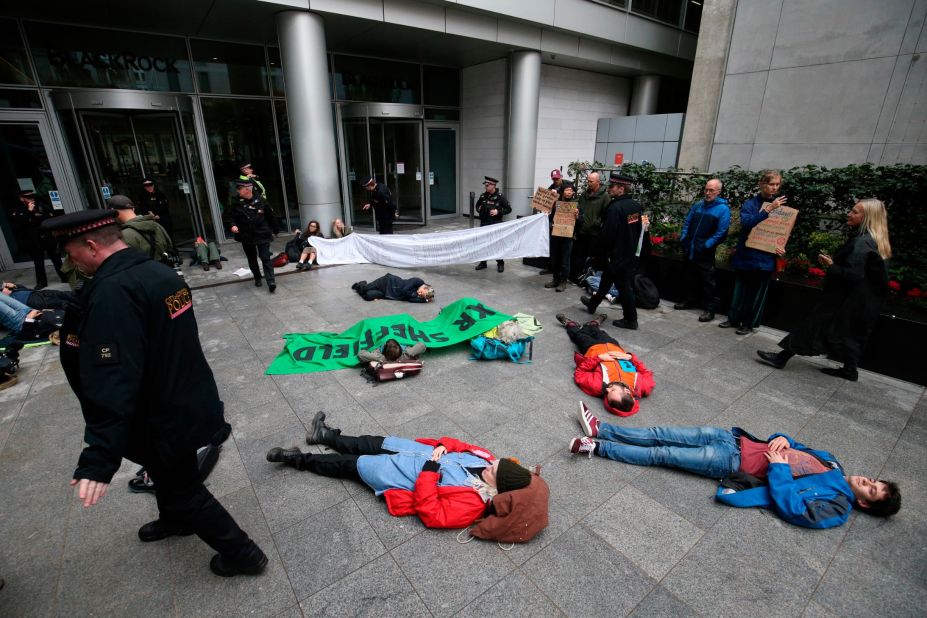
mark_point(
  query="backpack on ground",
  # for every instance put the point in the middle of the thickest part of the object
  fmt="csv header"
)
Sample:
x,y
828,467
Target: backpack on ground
x,y
280,260
487,348
646,294
293,249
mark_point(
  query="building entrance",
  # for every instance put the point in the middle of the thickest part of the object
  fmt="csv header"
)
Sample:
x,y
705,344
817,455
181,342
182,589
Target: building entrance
x,y
125,139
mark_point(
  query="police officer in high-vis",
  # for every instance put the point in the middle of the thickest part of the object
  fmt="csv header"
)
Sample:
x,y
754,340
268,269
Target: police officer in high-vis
x,y
131,352
247,173
254,226
490,208
381,200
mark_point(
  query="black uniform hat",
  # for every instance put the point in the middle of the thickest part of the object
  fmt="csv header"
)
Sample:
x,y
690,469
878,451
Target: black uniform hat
x,y
244,182
148,181
366,180
620,179
490,180
120,202
66,227
243,165
27,193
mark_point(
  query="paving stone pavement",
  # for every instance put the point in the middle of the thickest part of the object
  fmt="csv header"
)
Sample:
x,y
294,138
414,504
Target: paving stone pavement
x,y
622,540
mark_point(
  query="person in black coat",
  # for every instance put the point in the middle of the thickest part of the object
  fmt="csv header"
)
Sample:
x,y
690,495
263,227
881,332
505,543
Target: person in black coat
x,y
617,250
27,218
131,353
491,208
381,200
855,289
255,226
154,202
391,287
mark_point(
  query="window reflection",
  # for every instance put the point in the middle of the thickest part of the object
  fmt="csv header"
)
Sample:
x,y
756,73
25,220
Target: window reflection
x,y
276,71
369,79
241,131
14,67
71,56
229,68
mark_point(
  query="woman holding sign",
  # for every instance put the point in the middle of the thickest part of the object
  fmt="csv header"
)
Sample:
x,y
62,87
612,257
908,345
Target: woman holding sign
x,y
855,287
753,267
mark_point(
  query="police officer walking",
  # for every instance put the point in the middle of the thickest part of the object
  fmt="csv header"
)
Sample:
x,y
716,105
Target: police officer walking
x,y
131,353
616,249
381,200
491,208
155,203
254,226
27,218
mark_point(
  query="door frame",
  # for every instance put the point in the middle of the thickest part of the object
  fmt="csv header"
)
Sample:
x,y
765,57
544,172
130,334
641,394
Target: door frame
x,y
63,184
454,126
78,102
386,112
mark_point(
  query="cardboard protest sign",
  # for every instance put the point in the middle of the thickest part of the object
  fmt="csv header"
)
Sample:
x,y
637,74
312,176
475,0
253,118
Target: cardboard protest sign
x,y
564,219
774,231
543,200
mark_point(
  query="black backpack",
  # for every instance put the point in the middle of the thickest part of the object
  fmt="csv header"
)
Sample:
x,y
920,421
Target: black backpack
x,y
646,294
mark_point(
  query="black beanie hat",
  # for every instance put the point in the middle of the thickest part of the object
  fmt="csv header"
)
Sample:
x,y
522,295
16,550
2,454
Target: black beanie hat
x,y
511,476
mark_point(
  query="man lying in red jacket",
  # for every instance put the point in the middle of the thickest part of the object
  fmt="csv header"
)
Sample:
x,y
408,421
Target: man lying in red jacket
x,y
446,483
604,369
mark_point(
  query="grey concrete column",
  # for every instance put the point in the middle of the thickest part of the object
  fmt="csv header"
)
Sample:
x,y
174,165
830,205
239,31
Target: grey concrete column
x,y
644,93
309,111
714,42
522,143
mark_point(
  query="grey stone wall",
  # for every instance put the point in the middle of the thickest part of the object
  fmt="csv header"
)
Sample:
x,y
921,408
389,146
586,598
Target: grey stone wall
x,y
653,138
827,82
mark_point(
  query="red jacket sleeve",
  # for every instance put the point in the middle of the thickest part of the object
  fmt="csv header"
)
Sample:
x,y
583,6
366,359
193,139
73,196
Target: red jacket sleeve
x,y
645,381
453,445
453,507
588,375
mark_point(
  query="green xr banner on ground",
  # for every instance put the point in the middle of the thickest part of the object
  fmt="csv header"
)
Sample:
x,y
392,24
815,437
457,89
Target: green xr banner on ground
x,y
460,321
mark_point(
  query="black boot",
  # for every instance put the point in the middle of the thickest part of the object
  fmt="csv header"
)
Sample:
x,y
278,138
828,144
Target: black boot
x,y
841,372
587,302
772,359
253,565
319,432
159,529
290,456
480,266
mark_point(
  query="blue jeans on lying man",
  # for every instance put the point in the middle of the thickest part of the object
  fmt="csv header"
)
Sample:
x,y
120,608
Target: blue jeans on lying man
x,y
12,313
706,451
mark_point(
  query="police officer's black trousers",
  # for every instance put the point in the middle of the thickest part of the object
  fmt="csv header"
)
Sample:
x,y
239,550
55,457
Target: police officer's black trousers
x,y
622,278
184,501
38,259
262,250
342,464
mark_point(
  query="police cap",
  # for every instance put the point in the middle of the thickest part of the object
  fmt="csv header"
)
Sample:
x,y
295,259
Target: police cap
x,y
29,193
148,181
367,180
243,165
120,202
616,178
243,182
66,227
489,180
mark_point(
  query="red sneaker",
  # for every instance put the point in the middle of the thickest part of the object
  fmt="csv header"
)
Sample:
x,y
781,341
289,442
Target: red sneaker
x,y
582,445
588,420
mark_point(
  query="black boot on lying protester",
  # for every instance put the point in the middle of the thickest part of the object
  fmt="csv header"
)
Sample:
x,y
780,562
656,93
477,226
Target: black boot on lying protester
x,y
319,432
290,456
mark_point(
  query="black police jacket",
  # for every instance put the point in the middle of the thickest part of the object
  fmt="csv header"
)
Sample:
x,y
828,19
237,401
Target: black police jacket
x,y
487,202
621,231
29,223
131,352
156,203
381,200
255,220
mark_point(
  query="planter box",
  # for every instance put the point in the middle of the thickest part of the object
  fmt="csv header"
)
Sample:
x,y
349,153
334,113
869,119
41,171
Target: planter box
x,y
893,347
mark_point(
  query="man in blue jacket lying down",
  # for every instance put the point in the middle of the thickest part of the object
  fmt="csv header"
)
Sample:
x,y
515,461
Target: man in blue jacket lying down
x,y
804,486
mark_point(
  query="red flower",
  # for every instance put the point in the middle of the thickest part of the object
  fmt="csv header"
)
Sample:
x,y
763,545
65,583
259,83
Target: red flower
x,y
915,293
894,285
656,240
816,272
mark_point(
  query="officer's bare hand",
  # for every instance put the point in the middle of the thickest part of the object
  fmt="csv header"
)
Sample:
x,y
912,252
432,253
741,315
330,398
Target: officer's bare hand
x,y
493,212
89,491
234,229
365,207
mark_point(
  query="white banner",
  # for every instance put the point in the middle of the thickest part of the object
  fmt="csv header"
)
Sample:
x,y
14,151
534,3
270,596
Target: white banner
x,y
526,237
